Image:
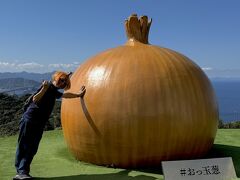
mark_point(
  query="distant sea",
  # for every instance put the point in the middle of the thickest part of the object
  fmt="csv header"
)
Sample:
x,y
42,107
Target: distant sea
x,y
228,97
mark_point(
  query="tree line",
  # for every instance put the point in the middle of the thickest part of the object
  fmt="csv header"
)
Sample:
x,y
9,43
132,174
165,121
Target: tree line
x,y
229,125
11,110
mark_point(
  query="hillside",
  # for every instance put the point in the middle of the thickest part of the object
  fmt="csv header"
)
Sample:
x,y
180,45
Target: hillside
x,y
11,109
18,86
53,160
14,83
26,75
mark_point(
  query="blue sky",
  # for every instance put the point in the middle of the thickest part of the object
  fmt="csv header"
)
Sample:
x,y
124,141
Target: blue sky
x,y
46,35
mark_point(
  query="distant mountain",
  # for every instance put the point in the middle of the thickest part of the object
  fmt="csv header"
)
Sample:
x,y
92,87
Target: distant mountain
x,y
26,75
18,86
20,83
14,83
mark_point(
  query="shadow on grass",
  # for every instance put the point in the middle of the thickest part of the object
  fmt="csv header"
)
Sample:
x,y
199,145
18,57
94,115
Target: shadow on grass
x,y
120,175
217,151
220,150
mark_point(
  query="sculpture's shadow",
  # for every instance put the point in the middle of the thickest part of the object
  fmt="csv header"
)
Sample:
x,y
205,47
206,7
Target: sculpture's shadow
x,y
217,151
122,175
220,150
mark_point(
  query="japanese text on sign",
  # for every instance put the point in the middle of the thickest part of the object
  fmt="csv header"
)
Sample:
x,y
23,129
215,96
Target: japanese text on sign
x,y
206,170
201,169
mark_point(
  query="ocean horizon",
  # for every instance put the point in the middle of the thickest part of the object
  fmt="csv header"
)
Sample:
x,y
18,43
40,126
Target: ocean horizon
x,y
228,97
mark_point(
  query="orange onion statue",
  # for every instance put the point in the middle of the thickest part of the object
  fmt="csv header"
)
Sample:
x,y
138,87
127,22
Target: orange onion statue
x,y
143,104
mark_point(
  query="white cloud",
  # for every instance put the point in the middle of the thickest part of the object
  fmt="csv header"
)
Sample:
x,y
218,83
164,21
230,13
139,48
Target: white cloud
x,y
36,67
6,65
30,66
226,72
207,68
16,67
63,65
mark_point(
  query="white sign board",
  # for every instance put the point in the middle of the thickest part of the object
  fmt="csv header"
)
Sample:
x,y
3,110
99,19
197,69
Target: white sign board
x,y
202,169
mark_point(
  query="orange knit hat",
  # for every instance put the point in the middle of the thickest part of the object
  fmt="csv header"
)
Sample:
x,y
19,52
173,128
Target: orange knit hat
x,y
63,75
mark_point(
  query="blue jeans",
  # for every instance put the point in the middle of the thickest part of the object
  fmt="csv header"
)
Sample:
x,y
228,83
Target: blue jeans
x,y
31,130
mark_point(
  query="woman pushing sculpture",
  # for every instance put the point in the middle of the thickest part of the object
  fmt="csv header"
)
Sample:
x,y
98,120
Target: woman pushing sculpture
x,y
35,117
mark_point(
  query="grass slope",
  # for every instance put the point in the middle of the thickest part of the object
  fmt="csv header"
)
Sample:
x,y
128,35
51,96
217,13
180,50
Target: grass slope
x,y
53,161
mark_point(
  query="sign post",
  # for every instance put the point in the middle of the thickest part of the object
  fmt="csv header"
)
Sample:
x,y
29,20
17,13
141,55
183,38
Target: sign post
x,y
202,169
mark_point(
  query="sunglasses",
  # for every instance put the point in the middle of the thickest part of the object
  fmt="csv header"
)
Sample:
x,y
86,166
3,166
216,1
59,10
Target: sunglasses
x,y
62,80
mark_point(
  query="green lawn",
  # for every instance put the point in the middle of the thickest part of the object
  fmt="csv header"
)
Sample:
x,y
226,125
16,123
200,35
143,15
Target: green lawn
x,y
53,161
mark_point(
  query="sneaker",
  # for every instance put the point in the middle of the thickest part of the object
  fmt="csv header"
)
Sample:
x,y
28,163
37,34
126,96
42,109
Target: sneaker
x,y
22,176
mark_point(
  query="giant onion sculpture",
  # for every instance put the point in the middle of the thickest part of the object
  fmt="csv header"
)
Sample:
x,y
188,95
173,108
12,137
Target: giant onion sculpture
x,y
143,104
